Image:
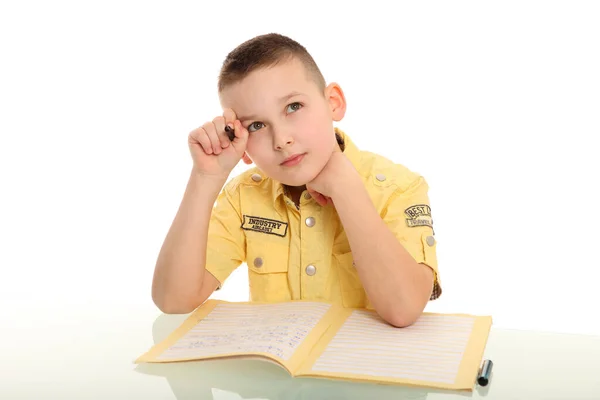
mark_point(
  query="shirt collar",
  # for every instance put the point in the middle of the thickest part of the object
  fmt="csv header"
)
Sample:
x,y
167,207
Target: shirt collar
x,y
350,151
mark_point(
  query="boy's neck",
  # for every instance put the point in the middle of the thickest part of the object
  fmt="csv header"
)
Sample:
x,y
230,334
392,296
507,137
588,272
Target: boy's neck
x,y
294,193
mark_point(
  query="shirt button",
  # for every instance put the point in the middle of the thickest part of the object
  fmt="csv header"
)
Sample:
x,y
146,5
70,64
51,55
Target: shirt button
x,y
310,222
380,177
430,240
311,270
258,262
256,177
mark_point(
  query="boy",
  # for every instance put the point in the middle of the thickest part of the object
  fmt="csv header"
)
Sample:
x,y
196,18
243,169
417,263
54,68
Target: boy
x,y
316,219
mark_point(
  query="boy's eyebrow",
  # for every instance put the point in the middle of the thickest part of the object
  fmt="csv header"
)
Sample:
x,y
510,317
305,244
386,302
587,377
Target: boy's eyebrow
x,y
286,97
281,100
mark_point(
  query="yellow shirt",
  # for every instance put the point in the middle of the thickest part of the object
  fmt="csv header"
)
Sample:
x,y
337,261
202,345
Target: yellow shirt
x,y
303,253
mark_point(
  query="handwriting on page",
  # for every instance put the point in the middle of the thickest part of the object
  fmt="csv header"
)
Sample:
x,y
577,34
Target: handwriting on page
x,y
430,350
276,329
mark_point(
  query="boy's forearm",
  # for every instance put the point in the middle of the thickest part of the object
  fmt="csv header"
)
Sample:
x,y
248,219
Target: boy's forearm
x,y
395,283
180,265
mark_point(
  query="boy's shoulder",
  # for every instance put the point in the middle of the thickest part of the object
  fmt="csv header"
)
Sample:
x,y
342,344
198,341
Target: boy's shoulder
x,y
250,177
378,172
382,172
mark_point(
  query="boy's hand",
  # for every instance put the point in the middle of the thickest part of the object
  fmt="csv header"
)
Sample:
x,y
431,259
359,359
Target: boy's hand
x,y
335,178
212,151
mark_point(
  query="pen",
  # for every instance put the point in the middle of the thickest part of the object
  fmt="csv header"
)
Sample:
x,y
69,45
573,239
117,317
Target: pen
x,y
484,373
230,132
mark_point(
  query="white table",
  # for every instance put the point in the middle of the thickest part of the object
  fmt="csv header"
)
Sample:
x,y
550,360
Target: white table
x,y
90,356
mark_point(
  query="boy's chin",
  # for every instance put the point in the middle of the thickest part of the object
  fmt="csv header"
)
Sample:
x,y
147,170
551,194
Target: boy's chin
x,y
303,176
300,180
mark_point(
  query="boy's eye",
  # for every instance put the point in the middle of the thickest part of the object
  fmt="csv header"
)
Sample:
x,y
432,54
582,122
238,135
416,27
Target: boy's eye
x,y
253,127
295,106
254,124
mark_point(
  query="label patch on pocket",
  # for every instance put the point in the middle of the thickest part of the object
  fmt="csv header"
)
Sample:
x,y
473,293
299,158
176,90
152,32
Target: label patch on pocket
x,y
419,215
264,225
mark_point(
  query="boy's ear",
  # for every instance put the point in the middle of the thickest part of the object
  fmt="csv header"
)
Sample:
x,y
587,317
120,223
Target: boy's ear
x,y
246,159
337,101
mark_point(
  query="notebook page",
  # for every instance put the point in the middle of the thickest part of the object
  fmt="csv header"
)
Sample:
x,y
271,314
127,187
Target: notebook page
x,y
230,329
429,350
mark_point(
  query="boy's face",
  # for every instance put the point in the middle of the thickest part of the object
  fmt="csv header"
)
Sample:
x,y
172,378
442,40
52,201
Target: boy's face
x,y
281,127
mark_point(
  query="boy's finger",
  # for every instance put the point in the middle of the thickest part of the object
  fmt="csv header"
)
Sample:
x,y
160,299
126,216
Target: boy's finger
x,y
229,116
199,136
322,200
220,125
319,198
211,131
241,136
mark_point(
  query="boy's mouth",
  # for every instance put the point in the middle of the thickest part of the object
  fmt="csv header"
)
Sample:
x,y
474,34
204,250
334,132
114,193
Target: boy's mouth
x,y
292,160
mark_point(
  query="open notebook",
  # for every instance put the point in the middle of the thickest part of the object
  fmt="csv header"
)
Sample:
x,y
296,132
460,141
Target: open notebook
x,y
323,340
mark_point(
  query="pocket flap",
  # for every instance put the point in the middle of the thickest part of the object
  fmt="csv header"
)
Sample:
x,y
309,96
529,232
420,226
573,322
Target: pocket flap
x,y
429,244
267,257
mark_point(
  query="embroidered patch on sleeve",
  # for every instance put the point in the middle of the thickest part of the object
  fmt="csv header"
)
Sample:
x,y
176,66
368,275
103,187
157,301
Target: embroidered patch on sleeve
x,y
419,215
264,225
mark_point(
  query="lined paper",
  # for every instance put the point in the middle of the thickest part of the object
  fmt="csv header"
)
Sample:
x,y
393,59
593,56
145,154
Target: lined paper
x,y
276,329
429,350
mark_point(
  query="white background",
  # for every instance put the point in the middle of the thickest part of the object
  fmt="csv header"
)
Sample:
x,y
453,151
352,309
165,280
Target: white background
x,y
496,104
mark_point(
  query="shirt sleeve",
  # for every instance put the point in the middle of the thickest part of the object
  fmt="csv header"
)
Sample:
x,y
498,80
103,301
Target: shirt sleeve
x,y
226,246
408,215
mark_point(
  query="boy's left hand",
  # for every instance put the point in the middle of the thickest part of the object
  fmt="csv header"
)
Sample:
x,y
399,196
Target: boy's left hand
x,y
337,174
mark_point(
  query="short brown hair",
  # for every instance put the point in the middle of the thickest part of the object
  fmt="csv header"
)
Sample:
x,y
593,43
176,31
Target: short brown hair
x,y
265,51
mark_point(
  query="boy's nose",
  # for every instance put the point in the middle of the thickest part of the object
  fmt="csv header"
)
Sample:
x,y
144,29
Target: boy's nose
x,y
281,142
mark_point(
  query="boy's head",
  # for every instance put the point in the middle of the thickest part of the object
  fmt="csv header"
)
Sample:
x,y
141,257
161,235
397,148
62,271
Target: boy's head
x,y
278,93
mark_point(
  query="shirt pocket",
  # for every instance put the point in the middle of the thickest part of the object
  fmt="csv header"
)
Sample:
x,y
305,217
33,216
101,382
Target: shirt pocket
x,y
268,271
352,290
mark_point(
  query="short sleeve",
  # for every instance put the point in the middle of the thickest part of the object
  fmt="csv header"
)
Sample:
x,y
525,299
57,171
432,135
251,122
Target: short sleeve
x,y
225,249
408,215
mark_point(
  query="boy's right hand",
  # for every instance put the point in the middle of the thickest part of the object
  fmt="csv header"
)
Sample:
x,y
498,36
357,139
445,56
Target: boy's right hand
x,y
212,151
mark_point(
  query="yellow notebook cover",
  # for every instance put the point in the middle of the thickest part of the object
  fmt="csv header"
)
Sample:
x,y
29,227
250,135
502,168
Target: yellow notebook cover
x,y
323,340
